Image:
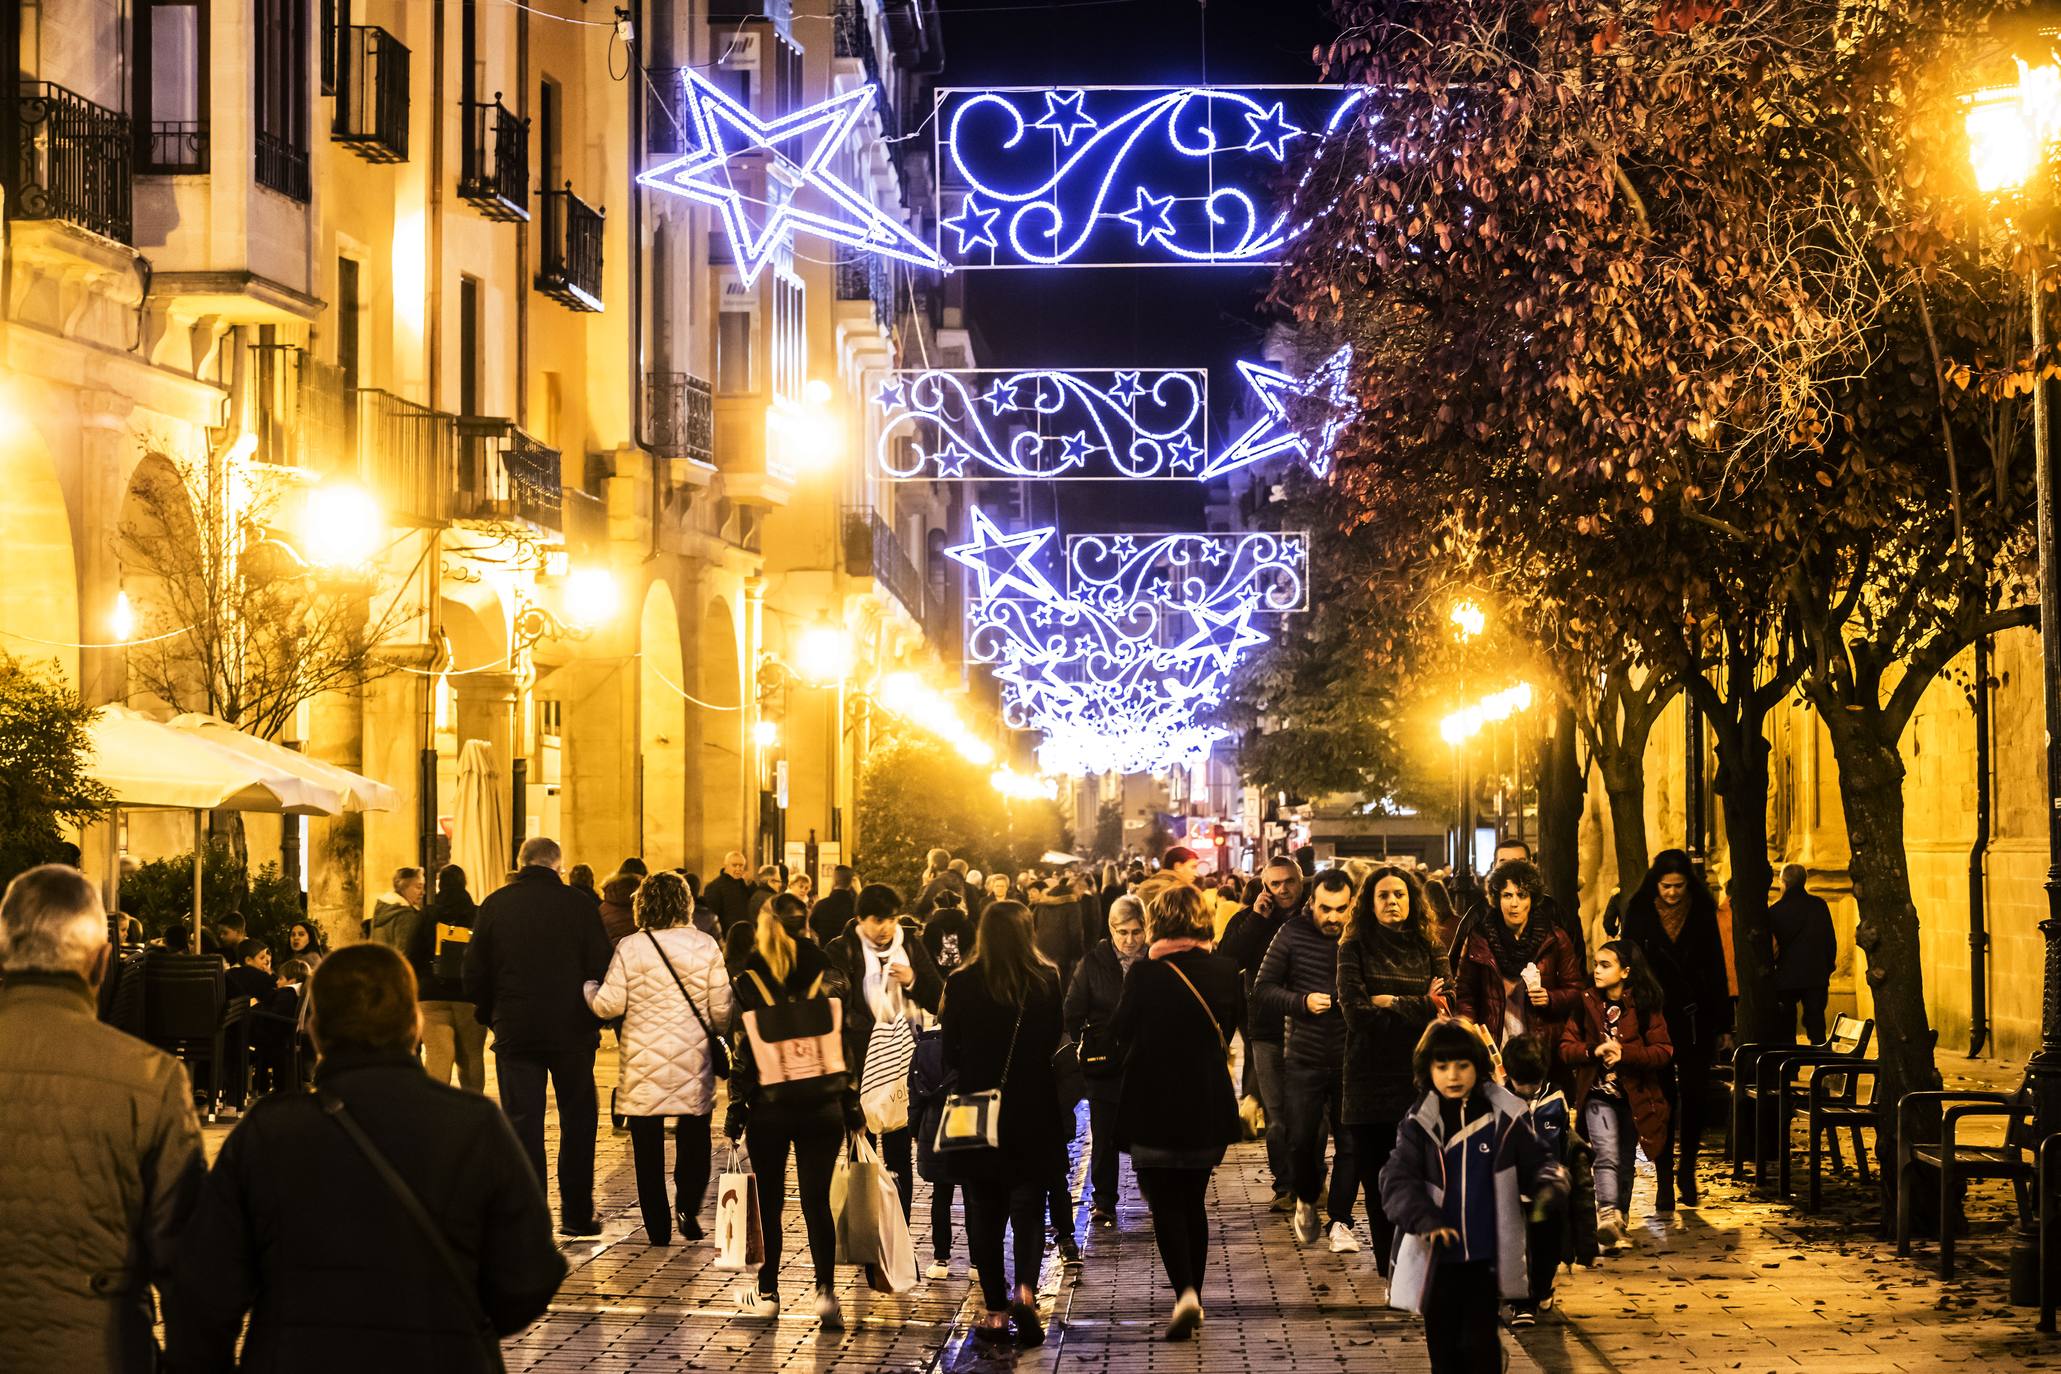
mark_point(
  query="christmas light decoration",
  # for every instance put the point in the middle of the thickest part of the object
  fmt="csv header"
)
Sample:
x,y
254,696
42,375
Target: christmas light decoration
x,y
770,179
1124,175
1323,394
1113,570
1134,424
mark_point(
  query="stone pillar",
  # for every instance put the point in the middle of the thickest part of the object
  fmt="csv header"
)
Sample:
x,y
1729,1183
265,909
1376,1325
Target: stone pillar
x,y
485,709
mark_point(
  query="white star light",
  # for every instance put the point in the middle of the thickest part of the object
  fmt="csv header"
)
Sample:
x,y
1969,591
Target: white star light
x,y
726,134
1274,431
1003,562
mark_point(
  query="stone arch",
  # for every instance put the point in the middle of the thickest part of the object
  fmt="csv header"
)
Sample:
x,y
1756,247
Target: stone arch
x,y
155,531
719,682
662,729
39,596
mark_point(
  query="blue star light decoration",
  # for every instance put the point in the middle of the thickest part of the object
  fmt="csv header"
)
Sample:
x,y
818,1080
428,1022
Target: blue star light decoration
x,y
1134,424
1114,570
1125,175
800,193
1322,396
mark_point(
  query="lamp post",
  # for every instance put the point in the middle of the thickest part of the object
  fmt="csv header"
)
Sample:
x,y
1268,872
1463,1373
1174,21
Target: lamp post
x,y
1468,620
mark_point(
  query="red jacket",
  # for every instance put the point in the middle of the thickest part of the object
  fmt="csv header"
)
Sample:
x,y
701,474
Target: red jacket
x,y
1478,987
1647,1053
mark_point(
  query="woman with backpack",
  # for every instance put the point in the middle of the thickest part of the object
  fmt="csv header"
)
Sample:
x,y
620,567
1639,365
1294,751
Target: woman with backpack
x,y
791,1093
1001,1022
668,985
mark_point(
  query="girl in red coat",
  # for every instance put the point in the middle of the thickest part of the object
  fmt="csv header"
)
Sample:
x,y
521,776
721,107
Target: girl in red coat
x,y
1616,1043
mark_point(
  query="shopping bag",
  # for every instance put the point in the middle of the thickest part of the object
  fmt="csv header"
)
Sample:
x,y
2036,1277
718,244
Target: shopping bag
x,y
1409,1276
884,1084
855,1200
896,1271
739,1242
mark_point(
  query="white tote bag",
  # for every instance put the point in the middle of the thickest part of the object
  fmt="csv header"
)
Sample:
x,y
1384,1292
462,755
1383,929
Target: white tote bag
x,y
884,1085
739,1242
1410,1275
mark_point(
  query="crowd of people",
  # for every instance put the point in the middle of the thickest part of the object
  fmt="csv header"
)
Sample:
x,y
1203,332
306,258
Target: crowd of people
x,y
1468,1072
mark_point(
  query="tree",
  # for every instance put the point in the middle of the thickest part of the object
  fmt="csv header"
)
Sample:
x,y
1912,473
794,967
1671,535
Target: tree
x,y
917,794
44,748
1109,830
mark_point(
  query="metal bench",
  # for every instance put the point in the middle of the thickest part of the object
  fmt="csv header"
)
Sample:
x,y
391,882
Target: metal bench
x,y
1837,1104
1762,1072
1955,1162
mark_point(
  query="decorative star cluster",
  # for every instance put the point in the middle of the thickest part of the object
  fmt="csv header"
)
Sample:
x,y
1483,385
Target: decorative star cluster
x,y
982,423
1114,570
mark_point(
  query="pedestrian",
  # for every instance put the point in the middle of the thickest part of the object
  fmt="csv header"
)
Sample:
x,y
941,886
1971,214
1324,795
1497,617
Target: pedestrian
x,y
1176,1109
893,978
394,915
635,865
452,1034
1391,983
804,889
786,982
1183,863
618,912
580,878
1806,950
1001,1020
1511,849
836,908
668,985
938,876
1548,1225
738,943
1617,1044
948,933
537,945
729,893
1091,1003
1516,975
1445,922
427,1240
771,883
1056,922
1298,984
1000,889
1672,918
304,942
102,1152
1460,1201
1246,939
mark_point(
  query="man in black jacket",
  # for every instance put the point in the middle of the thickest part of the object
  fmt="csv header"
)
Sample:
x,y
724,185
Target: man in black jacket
x,y
1298,985
535,947
836,908
1806,949
728,893
342,1276
1246,938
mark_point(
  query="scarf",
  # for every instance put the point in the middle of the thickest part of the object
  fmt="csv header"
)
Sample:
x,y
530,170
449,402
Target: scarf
x,y
883,994
1162,948
1124,961
1513,953
1673,919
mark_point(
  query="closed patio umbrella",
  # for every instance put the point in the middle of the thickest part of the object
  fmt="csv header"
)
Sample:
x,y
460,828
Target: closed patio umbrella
x,y
479,829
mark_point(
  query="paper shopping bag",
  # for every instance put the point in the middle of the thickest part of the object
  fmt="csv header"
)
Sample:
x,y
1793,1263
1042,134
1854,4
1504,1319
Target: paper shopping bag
x,y
739,1242
855,1199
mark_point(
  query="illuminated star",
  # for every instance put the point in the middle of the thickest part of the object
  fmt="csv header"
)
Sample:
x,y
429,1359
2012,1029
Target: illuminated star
x,y
1270,132
889,396
1000,395
800,149
1214,552
1182,454
1075,448
1152,217
1220,635
1064,116
952,460
1328,384
1127,389
1003,562
974,224
1123,544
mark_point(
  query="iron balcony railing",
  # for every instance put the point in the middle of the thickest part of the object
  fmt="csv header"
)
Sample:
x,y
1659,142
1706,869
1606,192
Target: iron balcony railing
x,y
681,422
282,167
868,277
505,474
569,270
73,161
300,411
372,95
668,131
175,147
407,455
493,169
872,549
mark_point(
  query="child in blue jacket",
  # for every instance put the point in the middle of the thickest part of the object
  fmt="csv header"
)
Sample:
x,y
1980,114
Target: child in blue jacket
x,y
1546,1110
1463,1162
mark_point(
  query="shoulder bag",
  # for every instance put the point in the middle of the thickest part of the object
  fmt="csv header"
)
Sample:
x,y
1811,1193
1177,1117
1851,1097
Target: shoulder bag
x,y
973,1121
718,1048
461,1280
1203,1002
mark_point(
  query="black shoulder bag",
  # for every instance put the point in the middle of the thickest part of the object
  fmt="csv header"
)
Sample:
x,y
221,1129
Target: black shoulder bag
x,y
718,1049
483,1326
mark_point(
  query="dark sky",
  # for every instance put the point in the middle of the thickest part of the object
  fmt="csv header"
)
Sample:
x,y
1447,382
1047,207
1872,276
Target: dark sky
x,y
1152,317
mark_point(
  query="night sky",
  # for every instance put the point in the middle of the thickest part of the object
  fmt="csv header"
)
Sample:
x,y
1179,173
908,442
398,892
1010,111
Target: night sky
x,y
1149,317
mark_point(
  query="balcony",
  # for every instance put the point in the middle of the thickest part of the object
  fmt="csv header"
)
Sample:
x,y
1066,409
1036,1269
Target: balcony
x,y
372,95
175,148
872,549
282,167
854,39
668,129
300,412
407,456
681,422
506,475
493,171
569,269
868,277
72,162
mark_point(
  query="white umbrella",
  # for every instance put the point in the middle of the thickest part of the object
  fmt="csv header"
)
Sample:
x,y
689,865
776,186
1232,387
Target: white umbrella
x,y
357,792
479,828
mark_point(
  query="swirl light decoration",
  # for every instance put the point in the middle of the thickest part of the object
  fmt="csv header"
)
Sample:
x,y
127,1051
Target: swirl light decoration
x,y
1114,570
1135,424
1123,175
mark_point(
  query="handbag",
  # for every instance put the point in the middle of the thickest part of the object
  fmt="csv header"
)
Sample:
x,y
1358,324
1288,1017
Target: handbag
x,y
461,1279
884,1081
718,1048
973,1121
740,1242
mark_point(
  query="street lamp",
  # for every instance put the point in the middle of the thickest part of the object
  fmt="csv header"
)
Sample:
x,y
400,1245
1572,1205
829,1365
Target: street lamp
x,y
1457,729
344,526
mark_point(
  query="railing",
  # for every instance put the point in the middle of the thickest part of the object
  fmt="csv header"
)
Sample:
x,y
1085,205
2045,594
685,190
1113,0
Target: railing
x,y
175,147
586,521
493,170
682,416
868,277
505,474
72,161
569,271
667,125
872,549
407,454
300,411
372,99
854,39
282,167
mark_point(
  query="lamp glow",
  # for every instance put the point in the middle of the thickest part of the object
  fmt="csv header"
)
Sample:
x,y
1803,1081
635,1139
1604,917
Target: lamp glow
x,y
344,526
1468,619
2011,128
823,653
121,622
592,598
765,734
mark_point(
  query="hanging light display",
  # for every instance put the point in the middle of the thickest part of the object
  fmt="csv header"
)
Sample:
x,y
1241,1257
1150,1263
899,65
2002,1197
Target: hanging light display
x,y
1325,389
1137,424
1114,570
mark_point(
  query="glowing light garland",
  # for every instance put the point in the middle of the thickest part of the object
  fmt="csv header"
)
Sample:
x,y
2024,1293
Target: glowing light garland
x,y
1114,570
1132,424
773,179
1126,175
1327,386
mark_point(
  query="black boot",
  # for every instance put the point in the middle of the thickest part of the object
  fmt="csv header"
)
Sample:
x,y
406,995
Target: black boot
x,y
1686,1184
1664,1191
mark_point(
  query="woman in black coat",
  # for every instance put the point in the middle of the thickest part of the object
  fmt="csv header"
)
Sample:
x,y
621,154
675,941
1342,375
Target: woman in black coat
x,y
1177,1111
1091,1002
1001,1023
1672,918
1390,970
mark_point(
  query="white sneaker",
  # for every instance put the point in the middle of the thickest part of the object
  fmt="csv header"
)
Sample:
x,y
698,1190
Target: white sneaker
x,y
937,1269
1609,1230
1305,1223
828,1312
1342,1240
752,1303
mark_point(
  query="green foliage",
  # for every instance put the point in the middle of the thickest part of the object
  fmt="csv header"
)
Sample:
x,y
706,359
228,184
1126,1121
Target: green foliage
x,y
160,895
916,795
44,751
1109,830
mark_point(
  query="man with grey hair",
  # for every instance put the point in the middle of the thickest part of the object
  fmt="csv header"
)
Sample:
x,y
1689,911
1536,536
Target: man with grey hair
x,y
1806,950
728,893
396,915
101,1148
535,947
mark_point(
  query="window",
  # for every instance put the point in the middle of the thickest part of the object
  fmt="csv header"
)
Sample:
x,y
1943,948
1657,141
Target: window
x,y
348,304
172,85
468,346
281,81
733,352
547,136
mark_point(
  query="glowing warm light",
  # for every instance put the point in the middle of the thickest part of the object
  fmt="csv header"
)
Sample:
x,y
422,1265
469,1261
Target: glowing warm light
x,y
410,268
2011,128
1023,787
1467,722
344,527
916,701
243,448
1468,618
766,734
122,623
591,598
823,654
817,392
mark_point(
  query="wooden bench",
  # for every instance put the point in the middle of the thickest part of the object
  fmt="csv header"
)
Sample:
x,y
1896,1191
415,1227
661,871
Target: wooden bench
x,y
1955,1162
1762,1072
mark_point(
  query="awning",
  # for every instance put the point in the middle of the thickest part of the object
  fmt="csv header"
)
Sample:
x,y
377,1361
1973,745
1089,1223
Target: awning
x,y
358,793
144,762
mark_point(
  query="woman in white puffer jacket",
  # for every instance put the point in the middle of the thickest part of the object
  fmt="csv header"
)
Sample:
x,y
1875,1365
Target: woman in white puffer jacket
x,y
667,1069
